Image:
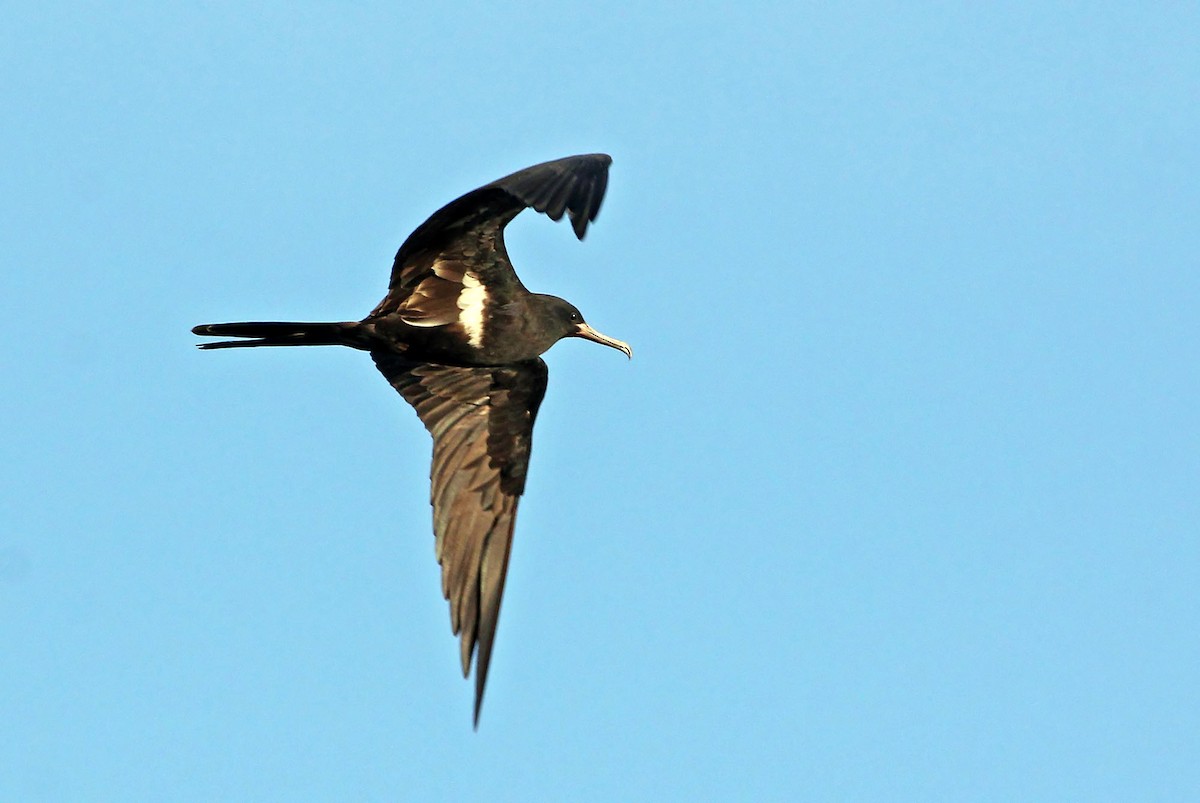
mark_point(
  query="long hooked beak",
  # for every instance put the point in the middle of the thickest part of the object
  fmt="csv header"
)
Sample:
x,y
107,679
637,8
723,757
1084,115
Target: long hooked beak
x,y
588,333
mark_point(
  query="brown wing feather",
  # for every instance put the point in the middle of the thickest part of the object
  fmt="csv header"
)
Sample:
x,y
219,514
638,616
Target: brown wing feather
x,y
470,229
481,420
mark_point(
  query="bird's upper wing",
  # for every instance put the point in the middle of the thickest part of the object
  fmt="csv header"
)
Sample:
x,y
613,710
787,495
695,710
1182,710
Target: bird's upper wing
x,y
481,420
465,237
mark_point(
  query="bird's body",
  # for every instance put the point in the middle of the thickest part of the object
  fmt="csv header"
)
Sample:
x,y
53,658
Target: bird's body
x,y
460,338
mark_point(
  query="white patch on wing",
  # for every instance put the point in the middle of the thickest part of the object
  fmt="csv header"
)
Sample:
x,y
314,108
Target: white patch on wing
x,y
471,303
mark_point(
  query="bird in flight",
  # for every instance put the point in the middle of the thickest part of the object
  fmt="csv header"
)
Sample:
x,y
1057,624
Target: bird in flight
x,y
460,338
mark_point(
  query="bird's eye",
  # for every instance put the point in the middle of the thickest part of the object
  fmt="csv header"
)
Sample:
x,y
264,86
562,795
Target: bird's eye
x,y
574,317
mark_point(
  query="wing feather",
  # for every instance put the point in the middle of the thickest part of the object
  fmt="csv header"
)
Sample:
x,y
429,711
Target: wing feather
x,y
481,420
468,234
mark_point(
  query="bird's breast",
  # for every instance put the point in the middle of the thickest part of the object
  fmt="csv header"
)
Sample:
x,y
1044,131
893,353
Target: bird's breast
x,y
496,338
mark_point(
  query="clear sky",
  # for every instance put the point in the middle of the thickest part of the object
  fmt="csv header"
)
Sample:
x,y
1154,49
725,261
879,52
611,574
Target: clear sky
x,y
897,499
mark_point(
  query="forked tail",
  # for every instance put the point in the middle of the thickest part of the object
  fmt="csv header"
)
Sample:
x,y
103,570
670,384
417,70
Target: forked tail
x,y
281,333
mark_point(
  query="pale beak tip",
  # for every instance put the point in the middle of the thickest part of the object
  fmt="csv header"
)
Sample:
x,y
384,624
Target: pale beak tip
x,y
588,333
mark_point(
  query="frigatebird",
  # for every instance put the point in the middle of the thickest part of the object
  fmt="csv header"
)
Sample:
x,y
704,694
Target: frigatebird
x,y
460,338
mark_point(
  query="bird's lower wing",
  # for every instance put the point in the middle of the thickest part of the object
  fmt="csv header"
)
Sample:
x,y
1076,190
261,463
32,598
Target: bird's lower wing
x,y
481,420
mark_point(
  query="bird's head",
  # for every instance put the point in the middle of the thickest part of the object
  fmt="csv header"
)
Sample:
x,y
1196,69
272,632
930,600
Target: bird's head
x,y
561,319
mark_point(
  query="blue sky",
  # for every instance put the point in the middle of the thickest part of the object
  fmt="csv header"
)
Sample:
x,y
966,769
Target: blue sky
x,y
896,501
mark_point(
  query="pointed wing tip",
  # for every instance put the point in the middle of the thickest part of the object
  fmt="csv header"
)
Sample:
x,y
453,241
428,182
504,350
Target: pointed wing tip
x,y
573,186
480,680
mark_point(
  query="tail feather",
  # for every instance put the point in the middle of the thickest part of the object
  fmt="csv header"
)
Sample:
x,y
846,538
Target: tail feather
x,y
280,333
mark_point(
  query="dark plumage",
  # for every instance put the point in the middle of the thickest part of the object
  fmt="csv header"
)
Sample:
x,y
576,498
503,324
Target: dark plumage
x,y
460,338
